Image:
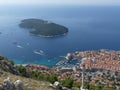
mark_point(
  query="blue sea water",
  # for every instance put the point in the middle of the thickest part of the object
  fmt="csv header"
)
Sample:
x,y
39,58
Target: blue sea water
x,y
90,28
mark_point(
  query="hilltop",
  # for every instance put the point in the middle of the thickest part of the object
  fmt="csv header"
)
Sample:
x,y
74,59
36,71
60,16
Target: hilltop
x,y
43,28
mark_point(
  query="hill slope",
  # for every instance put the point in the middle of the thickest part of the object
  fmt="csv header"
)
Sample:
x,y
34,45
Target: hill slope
x,y
5,65
29,84
9,70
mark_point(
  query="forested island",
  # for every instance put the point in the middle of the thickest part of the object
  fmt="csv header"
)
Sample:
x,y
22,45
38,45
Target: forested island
x,y
43,28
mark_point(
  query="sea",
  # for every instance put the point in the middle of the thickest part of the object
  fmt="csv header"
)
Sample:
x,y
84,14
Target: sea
x,y
90,28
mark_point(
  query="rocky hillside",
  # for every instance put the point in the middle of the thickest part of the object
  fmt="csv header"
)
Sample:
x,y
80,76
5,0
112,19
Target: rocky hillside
x,y
5,65
28,84
9,75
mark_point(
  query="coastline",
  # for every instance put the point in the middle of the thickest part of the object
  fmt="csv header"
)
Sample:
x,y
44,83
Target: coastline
x,y
77,58
21,64
102,59
49,36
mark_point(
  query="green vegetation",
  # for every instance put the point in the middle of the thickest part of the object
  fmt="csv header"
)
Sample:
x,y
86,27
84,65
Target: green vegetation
x,y
43,28
99,88
67,82
22,70
45,77
11,62
37,75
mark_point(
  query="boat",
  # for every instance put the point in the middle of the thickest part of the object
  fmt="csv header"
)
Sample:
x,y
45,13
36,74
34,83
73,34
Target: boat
x,y
19,46
40,52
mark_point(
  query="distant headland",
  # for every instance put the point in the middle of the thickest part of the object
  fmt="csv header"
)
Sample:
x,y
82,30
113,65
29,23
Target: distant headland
x,y
43,28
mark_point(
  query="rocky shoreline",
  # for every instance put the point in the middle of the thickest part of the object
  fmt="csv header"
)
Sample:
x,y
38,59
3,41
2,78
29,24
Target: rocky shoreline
x,y
49,36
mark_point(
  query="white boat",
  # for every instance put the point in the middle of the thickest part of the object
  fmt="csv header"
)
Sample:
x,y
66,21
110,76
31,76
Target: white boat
x,y
19,46
39,52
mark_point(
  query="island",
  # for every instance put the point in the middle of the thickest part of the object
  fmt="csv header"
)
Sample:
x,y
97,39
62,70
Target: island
x,y
43,28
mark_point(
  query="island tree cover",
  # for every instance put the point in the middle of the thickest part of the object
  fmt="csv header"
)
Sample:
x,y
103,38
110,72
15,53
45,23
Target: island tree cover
x,y
43,28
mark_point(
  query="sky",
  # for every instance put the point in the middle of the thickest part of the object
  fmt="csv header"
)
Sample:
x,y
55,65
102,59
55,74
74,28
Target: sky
x,y
60,2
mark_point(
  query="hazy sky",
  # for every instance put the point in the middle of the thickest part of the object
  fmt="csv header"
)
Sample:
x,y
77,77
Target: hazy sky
x,y
62,2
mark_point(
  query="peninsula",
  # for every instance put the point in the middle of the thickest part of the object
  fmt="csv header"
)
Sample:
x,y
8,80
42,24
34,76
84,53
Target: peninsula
x,y
43,28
